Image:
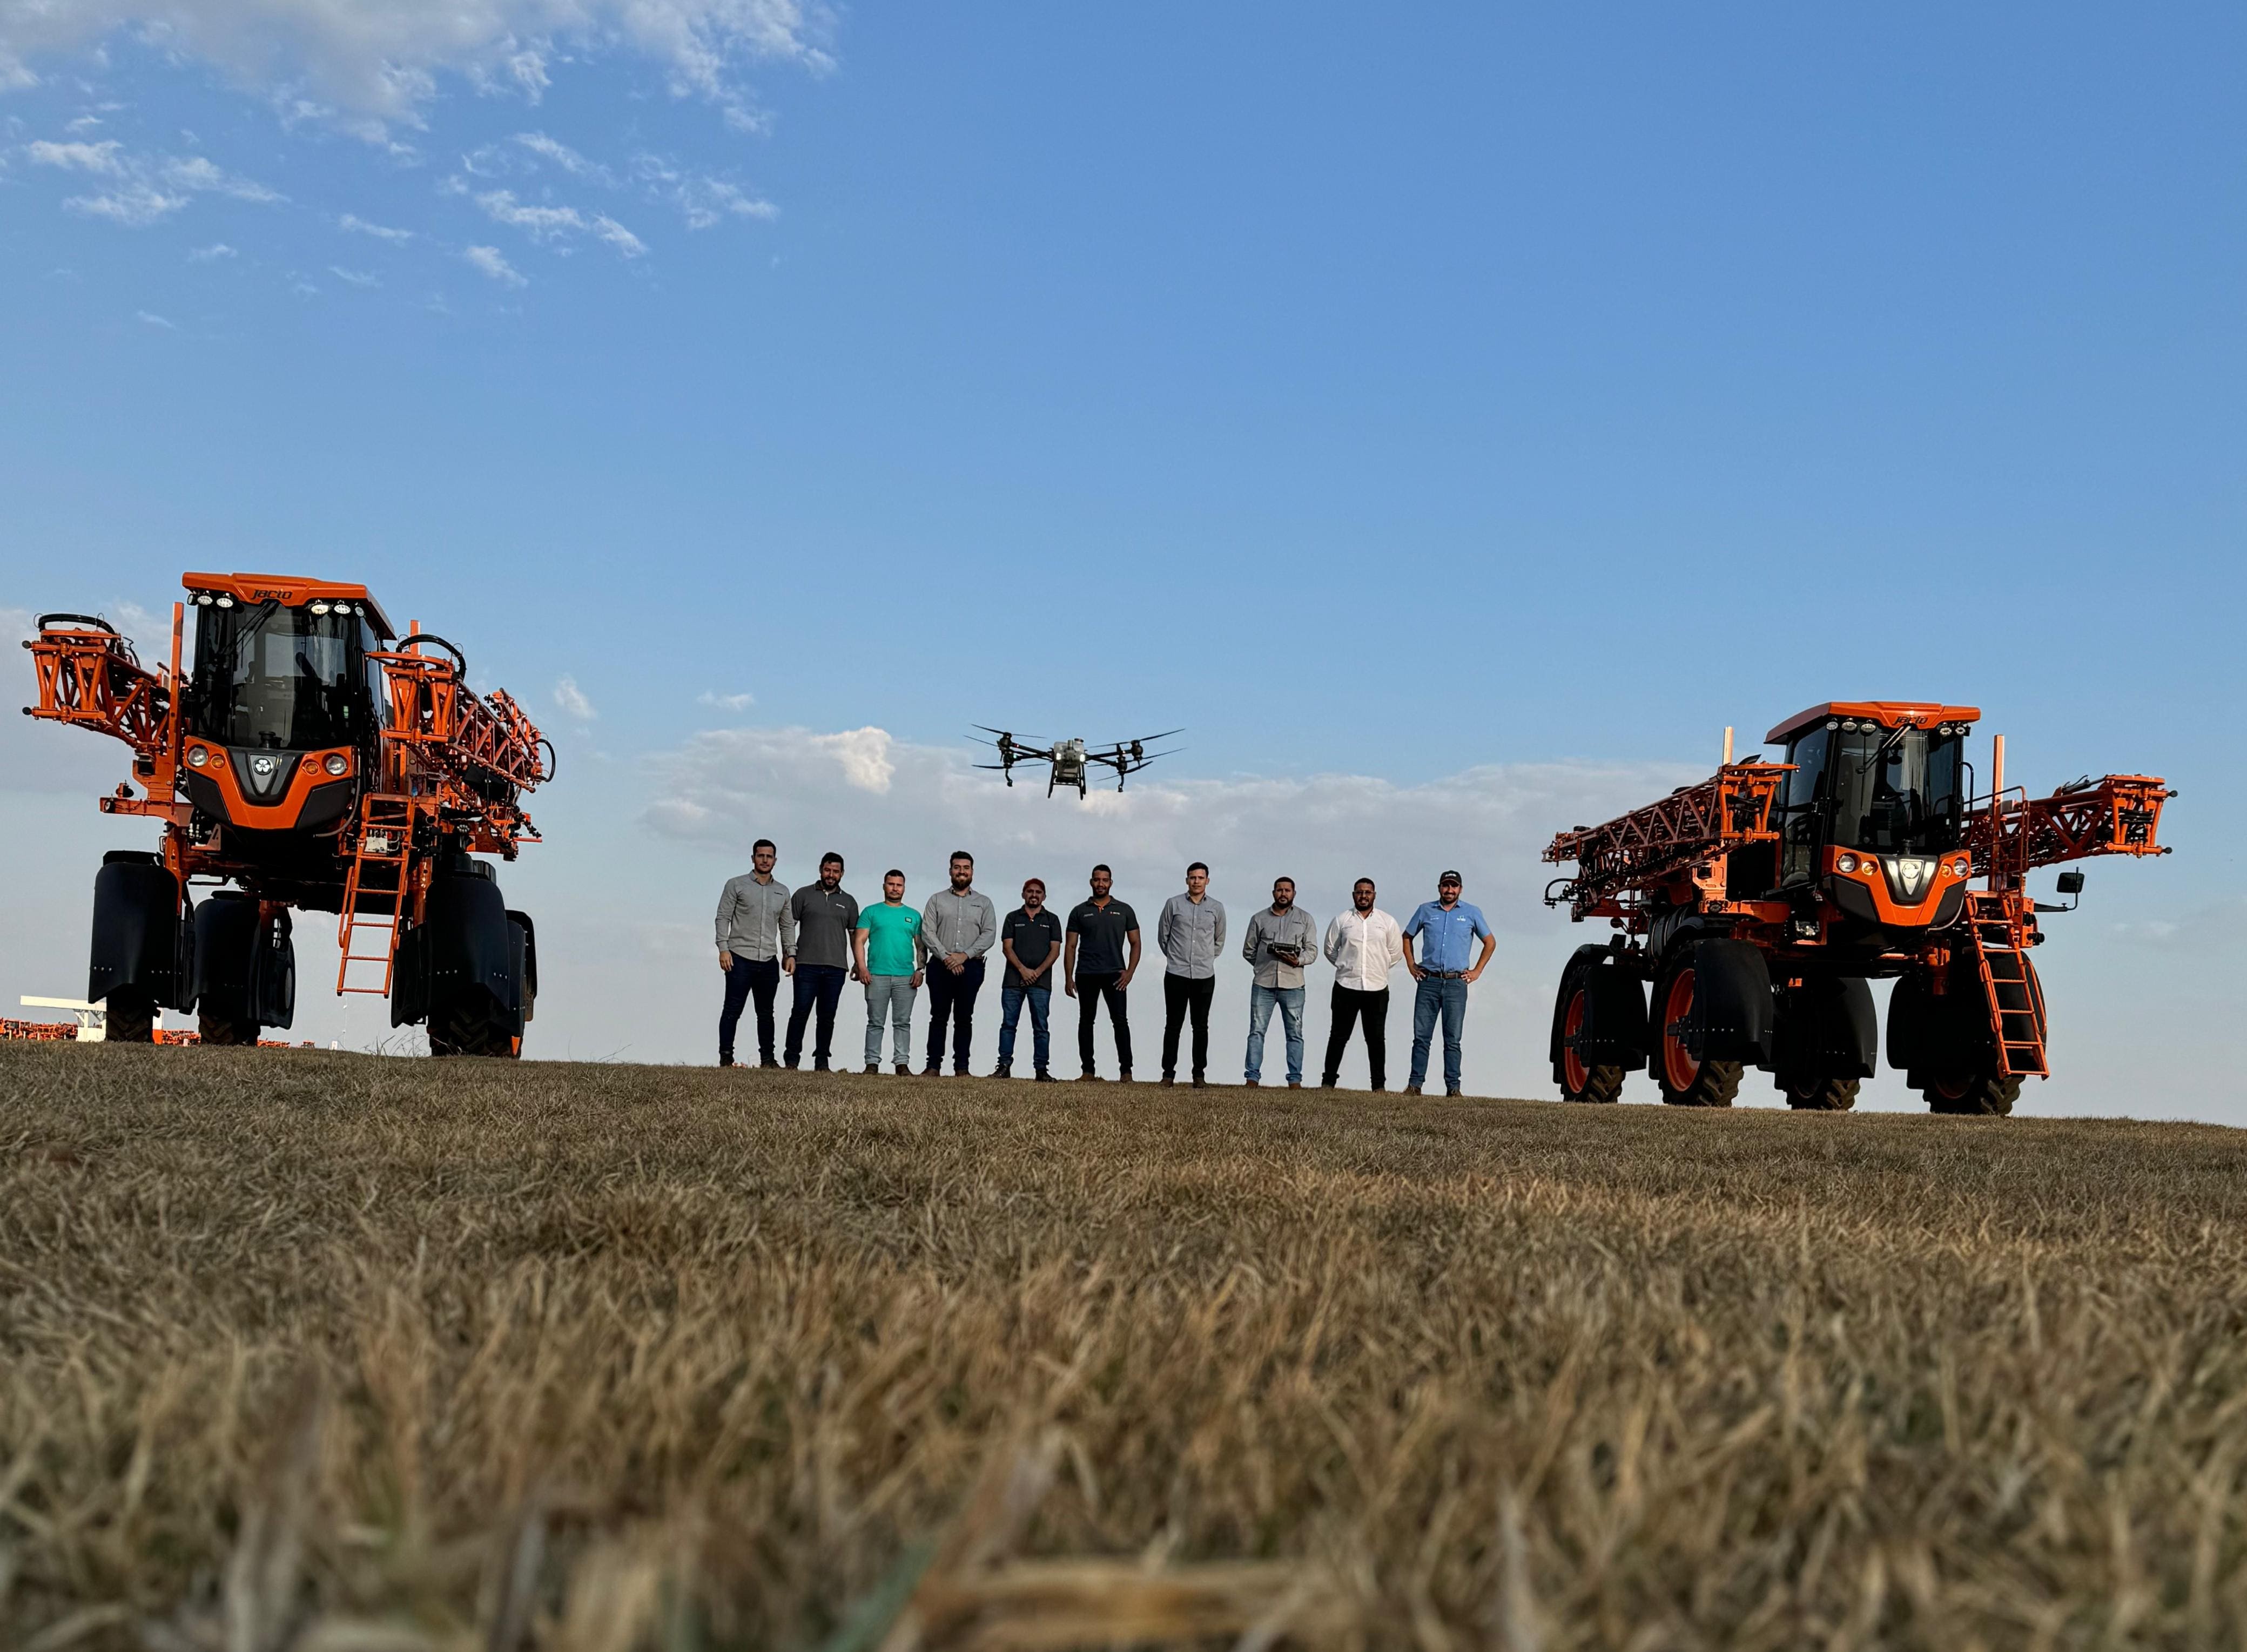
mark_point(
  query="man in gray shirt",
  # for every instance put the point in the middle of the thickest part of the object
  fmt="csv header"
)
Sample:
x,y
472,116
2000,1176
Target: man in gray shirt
x,y
957,925
1279,943
755,932
1190,933
826,917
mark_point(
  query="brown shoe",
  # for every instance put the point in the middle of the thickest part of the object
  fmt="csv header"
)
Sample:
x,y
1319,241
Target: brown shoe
x,y
1295,1083
904,1069
1201,1083
1168,1079
1124,1077
1250,1083
1411,1089
873,1068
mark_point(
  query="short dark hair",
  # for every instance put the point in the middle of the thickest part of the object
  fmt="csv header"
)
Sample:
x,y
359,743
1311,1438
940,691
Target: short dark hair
x,y
830,858
961,854
1283,878
1201,866
1102,867
1368,882
764,842
893,872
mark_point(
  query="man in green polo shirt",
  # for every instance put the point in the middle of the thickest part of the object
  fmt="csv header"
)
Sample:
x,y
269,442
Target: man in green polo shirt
x,y
891,958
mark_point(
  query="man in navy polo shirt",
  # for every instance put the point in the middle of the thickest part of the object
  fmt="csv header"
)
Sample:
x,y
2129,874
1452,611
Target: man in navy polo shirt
x,y
1444,973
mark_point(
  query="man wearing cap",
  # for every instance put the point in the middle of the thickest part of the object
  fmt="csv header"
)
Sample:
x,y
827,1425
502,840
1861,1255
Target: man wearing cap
x,y
1444,973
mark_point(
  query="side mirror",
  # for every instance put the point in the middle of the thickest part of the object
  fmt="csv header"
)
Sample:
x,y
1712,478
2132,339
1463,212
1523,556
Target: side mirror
x,y
2071,883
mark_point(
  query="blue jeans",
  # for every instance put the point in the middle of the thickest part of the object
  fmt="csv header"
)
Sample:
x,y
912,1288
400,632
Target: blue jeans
x,y
1290,1000
1010,1011
1450,998
889,998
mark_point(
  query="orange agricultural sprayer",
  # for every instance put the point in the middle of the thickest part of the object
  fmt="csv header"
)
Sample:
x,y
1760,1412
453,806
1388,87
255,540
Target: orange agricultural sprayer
x,y
311,758
1757,903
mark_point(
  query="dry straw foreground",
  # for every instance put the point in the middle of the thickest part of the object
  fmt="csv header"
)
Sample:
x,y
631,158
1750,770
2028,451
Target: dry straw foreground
x,y
339,1352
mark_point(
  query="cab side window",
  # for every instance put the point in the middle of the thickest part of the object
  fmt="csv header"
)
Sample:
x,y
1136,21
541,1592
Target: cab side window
x,y
1798,854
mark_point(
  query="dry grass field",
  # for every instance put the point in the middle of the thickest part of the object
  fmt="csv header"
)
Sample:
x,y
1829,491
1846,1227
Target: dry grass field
x,y
337,1352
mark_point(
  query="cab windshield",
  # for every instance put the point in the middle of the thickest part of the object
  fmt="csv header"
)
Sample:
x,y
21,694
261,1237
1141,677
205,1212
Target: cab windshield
x,y
279,677
1895,790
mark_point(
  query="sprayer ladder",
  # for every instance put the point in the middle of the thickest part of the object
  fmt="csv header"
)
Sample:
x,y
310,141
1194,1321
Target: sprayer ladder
x,y
2015,1024
381,869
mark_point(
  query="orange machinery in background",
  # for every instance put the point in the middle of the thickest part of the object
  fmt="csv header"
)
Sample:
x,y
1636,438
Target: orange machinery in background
x,y
1757,905
312,758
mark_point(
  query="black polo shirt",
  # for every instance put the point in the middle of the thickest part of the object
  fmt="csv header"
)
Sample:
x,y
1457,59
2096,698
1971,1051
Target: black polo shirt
x,y
1037,942
1103,950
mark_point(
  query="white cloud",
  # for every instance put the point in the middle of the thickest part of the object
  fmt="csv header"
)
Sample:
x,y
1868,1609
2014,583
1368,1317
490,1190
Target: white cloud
x,y
351,224
617,236
725,702
566,158
571,699
154,320
211,254
146,187
373,63
134,205
540,224
495,265
98,158
354,277
701,200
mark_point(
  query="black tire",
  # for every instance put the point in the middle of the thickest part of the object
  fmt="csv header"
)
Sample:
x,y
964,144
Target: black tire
x,y
1982,1096
224,1029
1601,1085
1817,1093
473,1026
130,1019
1685,1079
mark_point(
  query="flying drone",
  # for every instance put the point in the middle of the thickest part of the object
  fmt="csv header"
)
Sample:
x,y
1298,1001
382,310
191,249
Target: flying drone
x,y
1071,762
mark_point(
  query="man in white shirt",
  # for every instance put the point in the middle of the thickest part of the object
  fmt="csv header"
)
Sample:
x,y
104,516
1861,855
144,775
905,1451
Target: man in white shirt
x,y
1364,944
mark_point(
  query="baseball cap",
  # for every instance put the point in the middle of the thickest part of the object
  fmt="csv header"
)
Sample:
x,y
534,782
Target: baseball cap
x,y
1451,877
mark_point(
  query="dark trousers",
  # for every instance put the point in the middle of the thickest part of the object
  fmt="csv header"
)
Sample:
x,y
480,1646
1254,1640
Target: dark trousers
x,y
760,976
1092,989
1182,997
1349,1005
820,987
953,997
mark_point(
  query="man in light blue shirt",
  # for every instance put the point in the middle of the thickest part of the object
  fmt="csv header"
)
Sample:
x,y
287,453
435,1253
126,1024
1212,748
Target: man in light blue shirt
x,y
1450,927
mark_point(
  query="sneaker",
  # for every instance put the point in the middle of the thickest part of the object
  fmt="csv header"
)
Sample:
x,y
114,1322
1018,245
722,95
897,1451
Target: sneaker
x,y
1411,1089
1005,1069
873,1068
904,1069
1044,1077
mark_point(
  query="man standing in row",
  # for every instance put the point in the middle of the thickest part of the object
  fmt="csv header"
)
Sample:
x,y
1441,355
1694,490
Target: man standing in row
x,y
826,919
1279,943
1100,930
1030,942
958,925
1443,975
890,958
1189,933
755,931
1364,944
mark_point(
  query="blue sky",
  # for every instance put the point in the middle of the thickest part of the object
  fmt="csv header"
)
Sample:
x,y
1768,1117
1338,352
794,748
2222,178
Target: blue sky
x,y
1386,399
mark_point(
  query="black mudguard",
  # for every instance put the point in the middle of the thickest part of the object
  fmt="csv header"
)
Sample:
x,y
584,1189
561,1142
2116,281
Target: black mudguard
x,y
245,966
465,944
526,962
1614,1033
1733,1010
1826,1025
139,943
